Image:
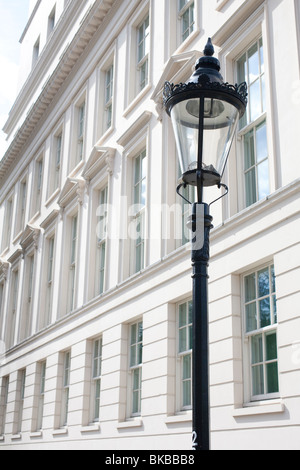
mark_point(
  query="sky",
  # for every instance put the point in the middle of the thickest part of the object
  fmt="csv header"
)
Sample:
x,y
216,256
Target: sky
x,y
13,19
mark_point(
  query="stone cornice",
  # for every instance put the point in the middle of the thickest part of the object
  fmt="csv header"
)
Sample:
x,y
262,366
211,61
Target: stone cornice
x,y
69,58
100,158
30,237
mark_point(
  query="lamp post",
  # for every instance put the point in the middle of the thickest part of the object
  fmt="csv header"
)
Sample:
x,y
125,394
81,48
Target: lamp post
x,y
205,112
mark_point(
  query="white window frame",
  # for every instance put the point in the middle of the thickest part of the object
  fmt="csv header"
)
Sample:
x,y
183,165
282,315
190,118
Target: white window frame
x,y
101,241
42,367
143,41
81,117
187,8
27,296
51,21
133,92
12,316
251,126
8,219
175,42
262,331
49,281
3,403
108,97
49,277
37,187
102,130
182,355
72,264
65,395
135,370
36,52
21,206
138,214
55,162
96,379
233,48
20,401
78,135
134,142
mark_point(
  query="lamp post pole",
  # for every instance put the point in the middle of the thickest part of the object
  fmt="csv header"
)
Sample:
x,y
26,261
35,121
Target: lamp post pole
x,y
200,366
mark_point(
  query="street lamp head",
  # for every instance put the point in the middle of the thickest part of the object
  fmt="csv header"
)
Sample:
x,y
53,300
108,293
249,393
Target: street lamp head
x,y
204,113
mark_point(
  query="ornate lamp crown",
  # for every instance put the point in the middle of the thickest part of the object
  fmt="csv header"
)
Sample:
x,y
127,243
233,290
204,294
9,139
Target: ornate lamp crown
x,y
206,78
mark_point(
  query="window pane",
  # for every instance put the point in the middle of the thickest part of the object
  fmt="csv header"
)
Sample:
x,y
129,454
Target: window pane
x,y
263,282
257,349
263,91
263,180
249,150
272,378
136,391
182,315
261,142
250,287
255,103
133,355
182,340
251,317
271,347
187,367
253,59
140,332
274,308
261,51
258,380
272,278
133,333
264,312
97,399
250,181
186,380
242,69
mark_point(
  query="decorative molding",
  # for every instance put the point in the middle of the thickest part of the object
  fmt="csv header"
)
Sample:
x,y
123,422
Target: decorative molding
x,y
30,236
4,267
90,24
235,21
49,219
101,158
204,84
178,68
141,121
73,188
15,256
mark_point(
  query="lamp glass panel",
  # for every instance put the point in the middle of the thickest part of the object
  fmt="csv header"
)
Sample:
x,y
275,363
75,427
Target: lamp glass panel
x,y
219,123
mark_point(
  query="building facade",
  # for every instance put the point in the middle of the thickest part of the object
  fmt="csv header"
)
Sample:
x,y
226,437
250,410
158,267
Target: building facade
x,y
95,271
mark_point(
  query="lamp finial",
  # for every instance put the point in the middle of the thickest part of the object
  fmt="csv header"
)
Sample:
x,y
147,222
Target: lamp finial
x,y
209,48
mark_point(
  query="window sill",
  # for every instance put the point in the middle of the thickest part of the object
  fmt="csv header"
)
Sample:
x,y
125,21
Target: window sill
x,y
134,423
261,408
137,99
180,418
186,43
52,197
105,135
59,432
16,437
36,434
95,427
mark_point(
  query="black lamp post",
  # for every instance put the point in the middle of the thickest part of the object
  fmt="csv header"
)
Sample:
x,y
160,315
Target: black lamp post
x,y
204,112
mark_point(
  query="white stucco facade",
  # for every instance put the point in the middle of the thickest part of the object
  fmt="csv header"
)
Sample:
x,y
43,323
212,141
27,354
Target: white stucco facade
x,y
94,325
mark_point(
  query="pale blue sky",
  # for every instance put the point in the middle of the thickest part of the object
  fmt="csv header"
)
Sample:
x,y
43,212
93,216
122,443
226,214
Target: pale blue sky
x,y
13,19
